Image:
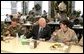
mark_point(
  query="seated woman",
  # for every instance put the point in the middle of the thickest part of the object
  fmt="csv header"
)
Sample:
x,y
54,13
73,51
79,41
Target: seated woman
x,y
65,34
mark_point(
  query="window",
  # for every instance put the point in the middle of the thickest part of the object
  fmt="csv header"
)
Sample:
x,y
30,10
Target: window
x,y
45,6
79,6
31,5
19,6
5,9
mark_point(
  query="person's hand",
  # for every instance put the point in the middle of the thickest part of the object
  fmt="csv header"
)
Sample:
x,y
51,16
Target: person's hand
x,y
7,32
9,35
67,43
54,33
65,40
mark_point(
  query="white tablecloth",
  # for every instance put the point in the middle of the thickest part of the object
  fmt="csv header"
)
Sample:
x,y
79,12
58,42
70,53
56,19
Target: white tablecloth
x,y
15,46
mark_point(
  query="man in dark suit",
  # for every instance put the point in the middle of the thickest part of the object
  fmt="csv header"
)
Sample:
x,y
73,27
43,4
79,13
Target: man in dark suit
x,y
42,30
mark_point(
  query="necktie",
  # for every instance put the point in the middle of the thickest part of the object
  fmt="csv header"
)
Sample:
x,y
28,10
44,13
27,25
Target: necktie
x,y
40,33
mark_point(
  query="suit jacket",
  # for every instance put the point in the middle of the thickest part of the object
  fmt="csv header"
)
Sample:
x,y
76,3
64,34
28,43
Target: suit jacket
x,y
45,34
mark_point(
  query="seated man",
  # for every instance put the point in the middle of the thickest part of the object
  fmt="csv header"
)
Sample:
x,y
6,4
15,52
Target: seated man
x,y
12,29
7,18
40,31
76,22
2,27
65,34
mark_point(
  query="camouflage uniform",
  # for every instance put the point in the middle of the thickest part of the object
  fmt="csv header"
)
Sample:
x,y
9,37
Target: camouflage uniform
x,y
2,27
70,35
13,30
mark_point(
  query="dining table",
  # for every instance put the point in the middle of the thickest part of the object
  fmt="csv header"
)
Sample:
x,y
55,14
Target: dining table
x,y
18,45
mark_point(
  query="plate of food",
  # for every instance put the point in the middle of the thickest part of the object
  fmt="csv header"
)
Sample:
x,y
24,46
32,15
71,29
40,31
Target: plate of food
x,y
55,46
58,46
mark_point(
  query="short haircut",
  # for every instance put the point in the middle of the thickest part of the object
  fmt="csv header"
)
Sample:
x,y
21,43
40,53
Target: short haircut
x,y
14,19
65,22
42,18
